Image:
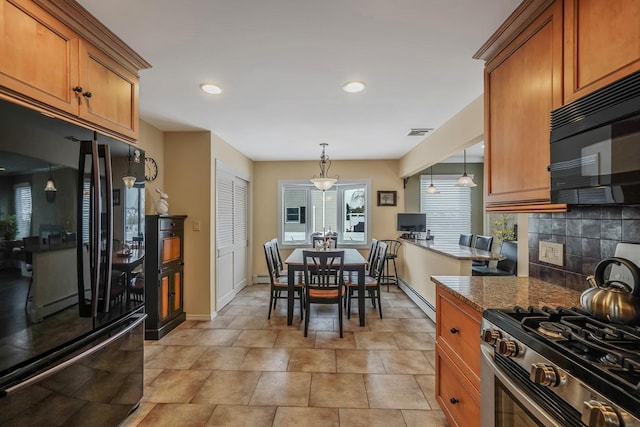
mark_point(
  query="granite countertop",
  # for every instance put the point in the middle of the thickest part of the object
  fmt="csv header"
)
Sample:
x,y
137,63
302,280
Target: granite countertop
x,y
482,292
454,251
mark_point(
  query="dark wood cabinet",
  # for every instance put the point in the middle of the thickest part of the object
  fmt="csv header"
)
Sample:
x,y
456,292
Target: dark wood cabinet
x,y
164,274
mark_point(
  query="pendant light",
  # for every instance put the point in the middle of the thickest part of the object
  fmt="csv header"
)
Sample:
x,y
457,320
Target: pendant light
x,y
129,180
51,184
323,182
465,180
432,188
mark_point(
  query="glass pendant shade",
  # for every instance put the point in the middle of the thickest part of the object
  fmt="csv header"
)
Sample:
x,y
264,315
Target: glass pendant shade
x,y
465,180
432,188
51,184
129,181
323,182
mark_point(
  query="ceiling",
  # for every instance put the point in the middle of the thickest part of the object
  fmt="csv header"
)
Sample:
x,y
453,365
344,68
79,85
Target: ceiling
x,y
282,63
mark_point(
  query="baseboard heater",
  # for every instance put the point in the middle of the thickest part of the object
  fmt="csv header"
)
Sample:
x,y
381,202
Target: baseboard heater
x,y
420,300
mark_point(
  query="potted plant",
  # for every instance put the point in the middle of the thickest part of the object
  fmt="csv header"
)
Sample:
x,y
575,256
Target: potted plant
x,y
9,227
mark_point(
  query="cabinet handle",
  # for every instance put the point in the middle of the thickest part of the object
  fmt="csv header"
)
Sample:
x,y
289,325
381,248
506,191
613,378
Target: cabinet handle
x,y
77,89
172,234
454,330
87,94
453,400
182,263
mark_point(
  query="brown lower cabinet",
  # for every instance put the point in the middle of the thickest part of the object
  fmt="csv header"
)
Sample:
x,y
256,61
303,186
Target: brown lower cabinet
x,y
457,359
164,274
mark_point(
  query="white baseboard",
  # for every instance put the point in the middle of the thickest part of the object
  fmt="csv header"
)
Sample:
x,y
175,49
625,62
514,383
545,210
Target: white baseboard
x,y
261,279
422,303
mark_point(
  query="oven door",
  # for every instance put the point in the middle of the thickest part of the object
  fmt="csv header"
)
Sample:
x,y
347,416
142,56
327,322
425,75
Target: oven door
x,y
504,402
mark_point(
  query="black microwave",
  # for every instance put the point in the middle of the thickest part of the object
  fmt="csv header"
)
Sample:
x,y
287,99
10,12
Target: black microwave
x,y
595,147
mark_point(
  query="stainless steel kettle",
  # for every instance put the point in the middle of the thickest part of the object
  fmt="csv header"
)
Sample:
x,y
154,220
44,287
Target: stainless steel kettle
x,y
613,300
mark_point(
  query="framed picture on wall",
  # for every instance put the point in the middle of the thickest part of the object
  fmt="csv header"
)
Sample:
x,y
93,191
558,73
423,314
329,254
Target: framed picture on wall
x,y
387,198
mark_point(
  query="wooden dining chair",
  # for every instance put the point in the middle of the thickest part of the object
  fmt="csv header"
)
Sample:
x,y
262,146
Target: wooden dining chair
x,y
323,281
279,284
372,280
275,249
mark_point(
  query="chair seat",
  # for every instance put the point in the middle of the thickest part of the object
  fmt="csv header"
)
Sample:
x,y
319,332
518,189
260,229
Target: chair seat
x,y
368,281
324,294
284,284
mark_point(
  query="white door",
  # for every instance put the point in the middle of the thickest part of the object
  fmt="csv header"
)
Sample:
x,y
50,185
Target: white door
x,y
231,234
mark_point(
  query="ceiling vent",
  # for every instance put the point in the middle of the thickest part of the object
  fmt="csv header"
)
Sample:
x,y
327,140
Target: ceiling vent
x,y
419,131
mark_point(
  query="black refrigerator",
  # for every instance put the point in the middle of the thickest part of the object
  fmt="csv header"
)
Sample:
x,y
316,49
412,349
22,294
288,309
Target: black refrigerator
x,y
71,246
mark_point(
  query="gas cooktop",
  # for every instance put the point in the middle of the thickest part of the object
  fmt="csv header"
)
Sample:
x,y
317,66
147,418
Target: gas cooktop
x,y
604,356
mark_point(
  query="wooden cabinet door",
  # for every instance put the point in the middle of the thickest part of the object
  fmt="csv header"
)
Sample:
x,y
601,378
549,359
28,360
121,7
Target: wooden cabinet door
x,y
171,248
164,298
38,56
602,44
522,85
109,92
177,302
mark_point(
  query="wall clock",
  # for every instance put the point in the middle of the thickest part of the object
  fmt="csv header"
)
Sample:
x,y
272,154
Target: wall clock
x,y
150,169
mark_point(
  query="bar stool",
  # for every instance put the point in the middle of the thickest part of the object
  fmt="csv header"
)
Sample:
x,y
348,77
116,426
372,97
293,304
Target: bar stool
x,y
392,253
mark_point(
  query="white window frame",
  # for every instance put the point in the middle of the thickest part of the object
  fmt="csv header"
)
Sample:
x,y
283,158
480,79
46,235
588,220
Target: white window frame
x,y
455,201
340,188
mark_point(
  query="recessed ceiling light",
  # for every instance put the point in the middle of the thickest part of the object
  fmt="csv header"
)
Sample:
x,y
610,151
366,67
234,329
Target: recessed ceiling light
x,y
211,88
353,87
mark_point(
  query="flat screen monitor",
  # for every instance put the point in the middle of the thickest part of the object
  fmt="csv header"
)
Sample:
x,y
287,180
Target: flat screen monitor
x,y
416,222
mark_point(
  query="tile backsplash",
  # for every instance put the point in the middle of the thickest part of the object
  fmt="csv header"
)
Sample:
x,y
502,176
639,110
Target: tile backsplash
x,y
588,234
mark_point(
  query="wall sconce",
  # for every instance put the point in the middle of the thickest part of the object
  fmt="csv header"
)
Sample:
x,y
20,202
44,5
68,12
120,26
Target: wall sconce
x,y
323,182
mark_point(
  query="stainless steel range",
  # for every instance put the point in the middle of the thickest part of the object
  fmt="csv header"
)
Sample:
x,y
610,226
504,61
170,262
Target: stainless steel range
x,y
558,367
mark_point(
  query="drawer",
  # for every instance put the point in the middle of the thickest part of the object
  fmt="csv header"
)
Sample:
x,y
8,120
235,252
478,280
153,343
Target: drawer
x,y
170,224
458,332
458,399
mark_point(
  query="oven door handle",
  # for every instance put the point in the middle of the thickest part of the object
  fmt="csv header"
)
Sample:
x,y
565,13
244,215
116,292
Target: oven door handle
x,y
534,409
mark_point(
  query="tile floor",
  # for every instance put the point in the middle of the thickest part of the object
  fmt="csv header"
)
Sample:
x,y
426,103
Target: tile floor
x,y
242,369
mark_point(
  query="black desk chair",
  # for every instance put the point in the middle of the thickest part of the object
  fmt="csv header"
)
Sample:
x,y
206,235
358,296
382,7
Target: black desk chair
x,y
505,267
465,240
484,243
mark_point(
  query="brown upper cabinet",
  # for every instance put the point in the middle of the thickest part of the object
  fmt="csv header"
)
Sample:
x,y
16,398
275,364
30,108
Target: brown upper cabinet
x,y
77,70
602,44
546,54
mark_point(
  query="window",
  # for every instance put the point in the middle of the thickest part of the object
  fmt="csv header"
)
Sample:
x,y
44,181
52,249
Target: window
x,y
292,215
448,213
342,209
133,221
23,209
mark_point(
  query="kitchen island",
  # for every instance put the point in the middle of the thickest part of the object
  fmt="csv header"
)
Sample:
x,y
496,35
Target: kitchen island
x,y
460,303
422,259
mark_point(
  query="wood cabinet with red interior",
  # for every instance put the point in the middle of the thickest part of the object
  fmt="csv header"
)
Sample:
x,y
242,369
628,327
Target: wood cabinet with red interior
x,y
164,274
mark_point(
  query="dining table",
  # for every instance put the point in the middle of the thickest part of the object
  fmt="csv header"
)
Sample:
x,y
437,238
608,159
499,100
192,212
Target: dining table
x,y
127,262
353,261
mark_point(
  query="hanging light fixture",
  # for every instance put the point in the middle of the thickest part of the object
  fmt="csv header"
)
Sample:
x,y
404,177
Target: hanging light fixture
x,y
432,188
323,182
465,180
129,180
51,184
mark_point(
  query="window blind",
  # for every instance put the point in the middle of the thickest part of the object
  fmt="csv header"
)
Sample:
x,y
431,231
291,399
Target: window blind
x,y
23,209
449,212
